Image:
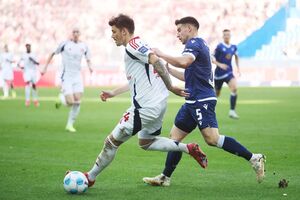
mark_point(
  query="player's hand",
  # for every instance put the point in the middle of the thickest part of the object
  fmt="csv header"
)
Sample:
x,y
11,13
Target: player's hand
x,y
43,72
106,95
223,66
157,52
179,91
239,73
91,70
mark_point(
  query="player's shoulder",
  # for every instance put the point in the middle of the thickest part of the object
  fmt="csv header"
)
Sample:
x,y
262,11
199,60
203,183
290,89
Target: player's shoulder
x,y
137,45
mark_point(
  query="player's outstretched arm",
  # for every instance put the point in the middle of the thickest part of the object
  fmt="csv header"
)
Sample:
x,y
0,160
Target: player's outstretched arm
x,y
177,74
44,70
180,62
110,94
221,65
163,73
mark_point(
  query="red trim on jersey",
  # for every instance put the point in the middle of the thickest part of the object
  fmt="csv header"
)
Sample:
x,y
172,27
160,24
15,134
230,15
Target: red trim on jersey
x,y
133,44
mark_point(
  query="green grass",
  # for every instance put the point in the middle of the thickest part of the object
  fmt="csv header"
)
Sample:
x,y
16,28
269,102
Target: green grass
x,y
35,151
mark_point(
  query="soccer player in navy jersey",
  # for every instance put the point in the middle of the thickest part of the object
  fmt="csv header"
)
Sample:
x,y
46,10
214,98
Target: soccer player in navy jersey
x,y
224,73
199,108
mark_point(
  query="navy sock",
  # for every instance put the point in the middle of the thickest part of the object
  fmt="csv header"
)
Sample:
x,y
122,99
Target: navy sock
x,y
172,160
233,99
232,146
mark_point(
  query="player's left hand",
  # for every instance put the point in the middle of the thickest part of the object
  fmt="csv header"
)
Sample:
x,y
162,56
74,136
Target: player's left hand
x,y
179,91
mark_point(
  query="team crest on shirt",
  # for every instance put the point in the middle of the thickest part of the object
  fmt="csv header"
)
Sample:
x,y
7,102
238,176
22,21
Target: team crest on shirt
x,y
205,106
228,56
143,49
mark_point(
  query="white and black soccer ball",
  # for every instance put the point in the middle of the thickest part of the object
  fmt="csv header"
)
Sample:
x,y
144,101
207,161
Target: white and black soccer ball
x,y
75,182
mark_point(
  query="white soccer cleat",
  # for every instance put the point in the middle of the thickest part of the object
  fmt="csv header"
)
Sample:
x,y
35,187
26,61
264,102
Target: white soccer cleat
x,y
70,128
160,180
258,164
233,114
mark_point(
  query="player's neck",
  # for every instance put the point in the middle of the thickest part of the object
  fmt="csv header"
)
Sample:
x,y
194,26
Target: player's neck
x,y
128,38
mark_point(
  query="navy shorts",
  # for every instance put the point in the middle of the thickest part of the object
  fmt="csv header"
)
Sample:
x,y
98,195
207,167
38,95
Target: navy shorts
x,y
219,82
201,114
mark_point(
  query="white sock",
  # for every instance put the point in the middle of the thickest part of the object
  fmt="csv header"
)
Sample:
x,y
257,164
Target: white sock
x,y
5,89
104,159
166,144
62,99
221,141
34,94
74,111
27,92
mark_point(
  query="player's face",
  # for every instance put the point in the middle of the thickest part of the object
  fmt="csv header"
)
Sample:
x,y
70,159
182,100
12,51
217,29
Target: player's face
x,y
76,35
117,35
28,48
182,33
226,36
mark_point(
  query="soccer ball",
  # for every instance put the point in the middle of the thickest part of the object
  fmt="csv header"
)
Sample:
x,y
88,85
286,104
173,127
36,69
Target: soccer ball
x,y
75,182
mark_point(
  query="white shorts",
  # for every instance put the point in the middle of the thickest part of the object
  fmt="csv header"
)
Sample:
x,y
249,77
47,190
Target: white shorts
x,y
30,76
146,122
71,84
8,75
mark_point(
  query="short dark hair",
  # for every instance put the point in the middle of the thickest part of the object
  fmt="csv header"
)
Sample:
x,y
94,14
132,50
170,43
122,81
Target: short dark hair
x,y
226,30
122,21
27,44
188,20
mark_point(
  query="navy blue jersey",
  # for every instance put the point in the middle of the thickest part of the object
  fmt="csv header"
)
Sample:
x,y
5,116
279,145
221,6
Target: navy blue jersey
x,y
223,54
198,76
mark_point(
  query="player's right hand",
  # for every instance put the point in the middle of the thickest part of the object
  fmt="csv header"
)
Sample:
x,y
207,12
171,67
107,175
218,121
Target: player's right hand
x,y
43,71
179,91
223,66
106,95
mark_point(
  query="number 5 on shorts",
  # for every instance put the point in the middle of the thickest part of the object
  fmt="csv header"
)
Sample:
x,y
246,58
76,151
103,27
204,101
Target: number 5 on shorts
x,y
199,114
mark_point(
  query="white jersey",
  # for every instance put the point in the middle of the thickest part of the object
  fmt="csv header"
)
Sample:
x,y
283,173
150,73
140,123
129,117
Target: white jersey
x,y
72,53
146,87
6,60
29,61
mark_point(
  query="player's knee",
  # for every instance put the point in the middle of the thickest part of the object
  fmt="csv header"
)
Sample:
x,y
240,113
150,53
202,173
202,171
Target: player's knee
x,y
144,144
211,140
110,142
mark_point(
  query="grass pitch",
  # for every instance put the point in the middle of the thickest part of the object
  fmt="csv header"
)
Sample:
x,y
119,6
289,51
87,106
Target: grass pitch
x,y
35,151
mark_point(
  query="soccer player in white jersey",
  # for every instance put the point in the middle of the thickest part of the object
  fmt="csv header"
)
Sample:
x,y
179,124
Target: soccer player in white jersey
x,y
148,83
6,60
72,52
28,63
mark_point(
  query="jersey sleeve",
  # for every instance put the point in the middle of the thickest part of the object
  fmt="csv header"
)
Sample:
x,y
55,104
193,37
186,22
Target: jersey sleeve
x,y
217,52
60,48
235,50
191,49
139,50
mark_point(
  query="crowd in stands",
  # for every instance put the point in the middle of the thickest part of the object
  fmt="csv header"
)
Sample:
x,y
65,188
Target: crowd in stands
x,y
45,23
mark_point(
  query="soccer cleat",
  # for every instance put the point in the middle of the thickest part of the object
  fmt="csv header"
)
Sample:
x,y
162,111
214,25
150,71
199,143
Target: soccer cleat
x,y
70,128
233,114
90,183
13,94
27,103
197,154
160,180
36,103
258,164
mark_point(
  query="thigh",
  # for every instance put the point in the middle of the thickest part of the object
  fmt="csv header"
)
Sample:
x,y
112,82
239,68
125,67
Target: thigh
x,y
129,125
77,86
66,87
232,84
177,134
77,96
204,114
218,85
184,119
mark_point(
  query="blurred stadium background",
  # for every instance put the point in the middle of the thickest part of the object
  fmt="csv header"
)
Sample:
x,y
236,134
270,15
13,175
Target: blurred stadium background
x,y
267,33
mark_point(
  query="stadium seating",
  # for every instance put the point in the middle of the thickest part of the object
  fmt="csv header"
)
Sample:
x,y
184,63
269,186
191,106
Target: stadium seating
x,y
46,23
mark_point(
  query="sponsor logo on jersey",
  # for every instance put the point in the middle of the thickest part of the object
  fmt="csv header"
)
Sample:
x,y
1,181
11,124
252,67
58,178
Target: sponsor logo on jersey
x,y
143,49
